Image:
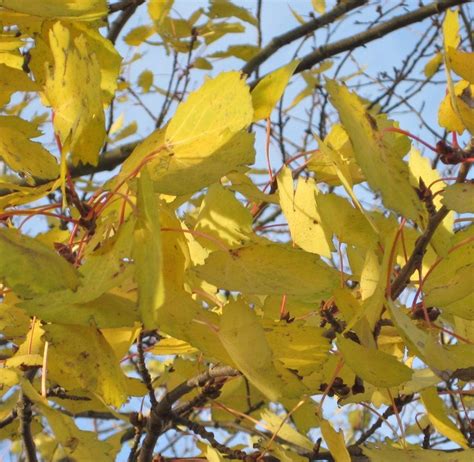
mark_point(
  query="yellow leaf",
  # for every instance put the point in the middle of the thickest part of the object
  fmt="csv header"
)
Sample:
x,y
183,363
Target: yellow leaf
x,y
420,167
441,360
226,9
382,452
300,210
437,414
79,115
270,269
147,253
378,368
462,63
432,66
79,444
335,442
206,138
159,9
80,357
298,346
30,267
244,52
145,80
451,279
78,10
138,35
172,346
108,58
451,29
223,217
334,163
378,154
320,7
459,197
20,153
345,221
12,80
279,424
270,89
108,310
243,338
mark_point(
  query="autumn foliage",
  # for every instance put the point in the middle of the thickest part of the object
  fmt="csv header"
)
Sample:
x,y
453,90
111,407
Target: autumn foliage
x,y
207,291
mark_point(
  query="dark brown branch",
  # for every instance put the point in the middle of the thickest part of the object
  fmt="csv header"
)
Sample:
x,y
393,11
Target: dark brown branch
x,y
142,369
160,418
25,415
378,423
201,431
288,37
416,257
376,32
128,10
9,418
122,5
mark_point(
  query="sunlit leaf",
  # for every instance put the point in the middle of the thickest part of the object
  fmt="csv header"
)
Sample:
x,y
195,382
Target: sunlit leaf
x,y
437,415
269,268
459,197
301,212
79,115
335,442
376,153
270,89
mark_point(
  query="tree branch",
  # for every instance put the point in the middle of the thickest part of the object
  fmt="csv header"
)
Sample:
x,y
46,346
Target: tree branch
x,y
294,34
416,257
379,31
161,419
25,416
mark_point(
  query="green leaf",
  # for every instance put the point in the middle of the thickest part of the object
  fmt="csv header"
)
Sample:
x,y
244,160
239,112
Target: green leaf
x,y
376,367
459,197
30,267
269,268
147,253
80,357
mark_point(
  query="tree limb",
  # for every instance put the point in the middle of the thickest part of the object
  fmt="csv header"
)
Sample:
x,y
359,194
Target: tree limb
x,y
25,416
294,34
379,31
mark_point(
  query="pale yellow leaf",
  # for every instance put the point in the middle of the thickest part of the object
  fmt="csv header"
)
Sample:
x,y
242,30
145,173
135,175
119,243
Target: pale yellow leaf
x,y
301,212
78,112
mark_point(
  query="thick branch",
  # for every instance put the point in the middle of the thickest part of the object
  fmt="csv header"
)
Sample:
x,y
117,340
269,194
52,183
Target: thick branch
x,y
422,243
8,419
25,416
379,31
160,418
294,34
